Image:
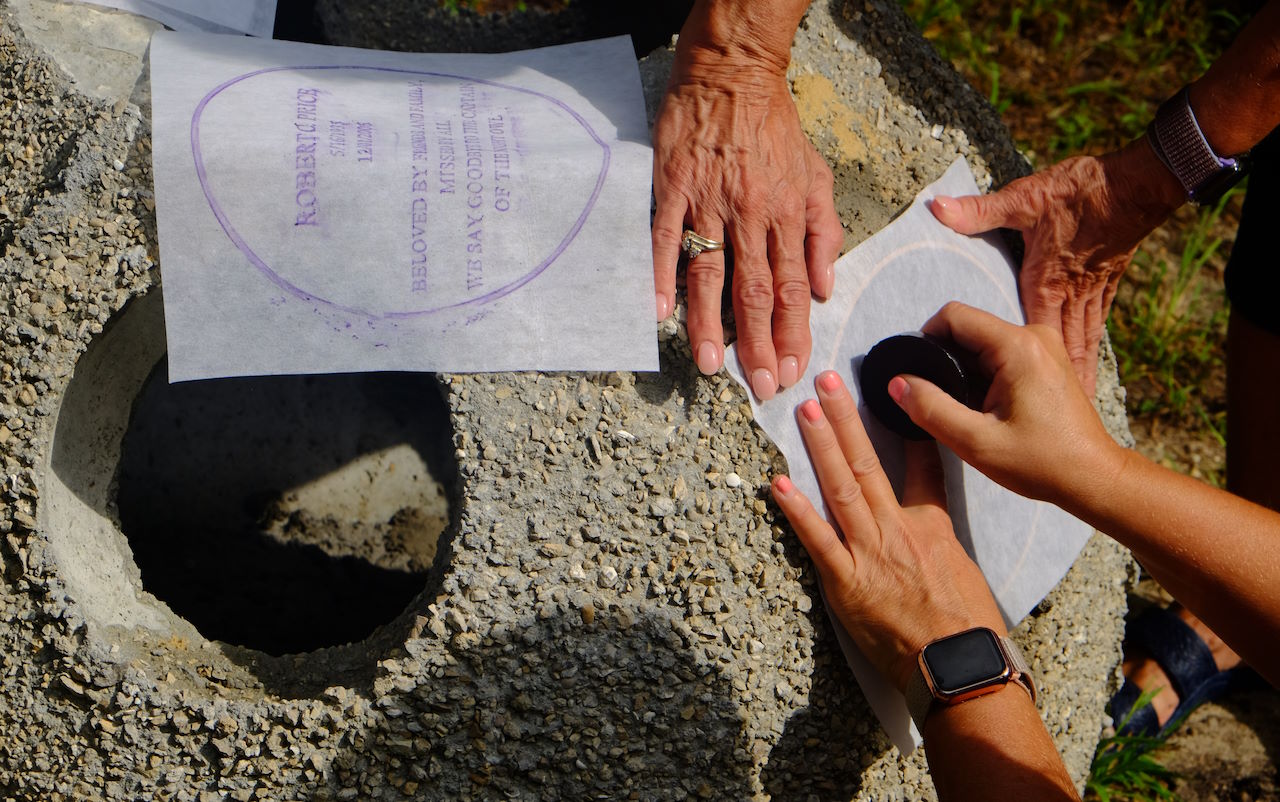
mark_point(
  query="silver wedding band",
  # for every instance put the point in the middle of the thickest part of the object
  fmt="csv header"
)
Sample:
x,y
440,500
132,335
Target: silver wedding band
x,y
694,244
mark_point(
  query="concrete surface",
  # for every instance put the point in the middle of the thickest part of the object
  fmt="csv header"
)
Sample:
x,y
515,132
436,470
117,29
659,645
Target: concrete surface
x,y
614,610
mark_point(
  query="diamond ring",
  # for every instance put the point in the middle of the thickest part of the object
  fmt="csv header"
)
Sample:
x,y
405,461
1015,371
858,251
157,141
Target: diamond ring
x,y
694,244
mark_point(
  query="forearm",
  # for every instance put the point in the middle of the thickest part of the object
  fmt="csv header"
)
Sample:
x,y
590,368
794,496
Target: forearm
x,y
737,33
1218,554
994,747
1237,102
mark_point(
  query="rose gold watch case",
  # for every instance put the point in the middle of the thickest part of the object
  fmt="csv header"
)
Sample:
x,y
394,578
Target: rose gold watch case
x,y
969,692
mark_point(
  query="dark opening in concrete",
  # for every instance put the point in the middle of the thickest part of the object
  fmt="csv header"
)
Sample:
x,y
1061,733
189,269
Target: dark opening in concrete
x,y
286,514
467,24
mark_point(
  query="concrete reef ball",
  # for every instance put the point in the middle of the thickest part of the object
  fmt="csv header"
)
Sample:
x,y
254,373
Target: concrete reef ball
x,y
600,599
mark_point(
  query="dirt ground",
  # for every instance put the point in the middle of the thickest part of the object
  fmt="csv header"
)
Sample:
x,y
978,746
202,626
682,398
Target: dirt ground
x,y
1227,750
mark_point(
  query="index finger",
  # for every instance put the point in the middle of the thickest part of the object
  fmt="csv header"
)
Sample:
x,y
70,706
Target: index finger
x,y
843,491
859,454
668,227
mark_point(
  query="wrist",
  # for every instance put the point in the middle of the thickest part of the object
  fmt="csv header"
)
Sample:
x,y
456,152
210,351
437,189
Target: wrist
x,y
964,667
728,36
1142,183
1180,143
909,661
1096,480
1206,104
982,708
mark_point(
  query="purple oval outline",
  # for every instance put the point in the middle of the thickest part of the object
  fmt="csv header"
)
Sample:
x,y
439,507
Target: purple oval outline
x,y
304,295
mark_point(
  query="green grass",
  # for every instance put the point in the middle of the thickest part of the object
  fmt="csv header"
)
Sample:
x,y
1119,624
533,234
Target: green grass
x,y
1168,328
1125,767
1077,75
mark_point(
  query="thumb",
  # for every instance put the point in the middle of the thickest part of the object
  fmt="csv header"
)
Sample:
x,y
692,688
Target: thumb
x,y
930,408
977,214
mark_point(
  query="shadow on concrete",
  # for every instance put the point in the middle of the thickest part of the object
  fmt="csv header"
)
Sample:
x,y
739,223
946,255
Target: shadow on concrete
x,y
676,375
297,21
813,759
555,709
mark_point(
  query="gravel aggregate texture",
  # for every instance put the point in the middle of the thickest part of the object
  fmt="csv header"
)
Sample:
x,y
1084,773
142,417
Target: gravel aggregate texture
x,y
615,609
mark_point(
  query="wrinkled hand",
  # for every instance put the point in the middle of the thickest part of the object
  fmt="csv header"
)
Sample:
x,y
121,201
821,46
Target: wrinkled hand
x,y
1037,433
732,163
898,579
1081,221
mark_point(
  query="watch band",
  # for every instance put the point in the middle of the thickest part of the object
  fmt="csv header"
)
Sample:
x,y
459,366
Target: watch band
x,y
920,697
1177,140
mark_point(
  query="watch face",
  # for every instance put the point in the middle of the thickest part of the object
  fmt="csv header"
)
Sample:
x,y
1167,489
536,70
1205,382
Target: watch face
x,y
965,661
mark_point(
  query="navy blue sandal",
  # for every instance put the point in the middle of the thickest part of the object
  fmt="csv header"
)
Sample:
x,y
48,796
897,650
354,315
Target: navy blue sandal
x,y
1185,658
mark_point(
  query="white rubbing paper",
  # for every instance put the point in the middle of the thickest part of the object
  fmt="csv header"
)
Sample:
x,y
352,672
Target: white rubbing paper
x,y
254,17
892,283
326,209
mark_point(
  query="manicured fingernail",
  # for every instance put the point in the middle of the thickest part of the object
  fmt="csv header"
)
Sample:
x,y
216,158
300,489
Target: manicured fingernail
x,y
829,380
830,273
763,384
941,202
811,411
782,485
708,358
788,371
898,389
664,305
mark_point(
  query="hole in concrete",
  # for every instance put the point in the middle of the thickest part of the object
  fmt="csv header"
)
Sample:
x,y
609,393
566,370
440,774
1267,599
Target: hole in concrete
x,y
278,514
287,513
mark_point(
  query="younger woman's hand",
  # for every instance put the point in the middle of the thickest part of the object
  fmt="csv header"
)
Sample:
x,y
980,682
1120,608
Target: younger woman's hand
x,y
1037,433
897,579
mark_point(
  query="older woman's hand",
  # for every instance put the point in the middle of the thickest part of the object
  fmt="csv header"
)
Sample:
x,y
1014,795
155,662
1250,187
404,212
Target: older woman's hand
x,y
1081,220
893,574
732,163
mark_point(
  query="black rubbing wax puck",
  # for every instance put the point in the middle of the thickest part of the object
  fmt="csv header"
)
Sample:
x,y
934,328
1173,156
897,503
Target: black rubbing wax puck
x,y
940,361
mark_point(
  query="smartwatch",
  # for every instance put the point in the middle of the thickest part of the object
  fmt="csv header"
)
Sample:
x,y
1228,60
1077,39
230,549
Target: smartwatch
x,y
1176,138
964,666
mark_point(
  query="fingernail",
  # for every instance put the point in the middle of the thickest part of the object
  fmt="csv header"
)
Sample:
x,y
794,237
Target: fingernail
x,y
811,411
898,389
664,305
788,371
763,384
831,280
782,485
829,380
708,358
942,202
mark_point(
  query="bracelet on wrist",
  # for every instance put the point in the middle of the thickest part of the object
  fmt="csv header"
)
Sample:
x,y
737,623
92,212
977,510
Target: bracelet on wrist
x,y
1180,144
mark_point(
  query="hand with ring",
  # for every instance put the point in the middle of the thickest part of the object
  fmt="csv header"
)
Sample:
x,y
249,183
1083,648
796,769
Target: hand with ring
x,y
732,167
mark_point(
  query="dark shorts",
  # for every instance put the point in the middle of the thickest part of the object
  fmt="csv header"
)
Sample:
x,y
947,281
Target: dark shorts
x,y
1253,271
